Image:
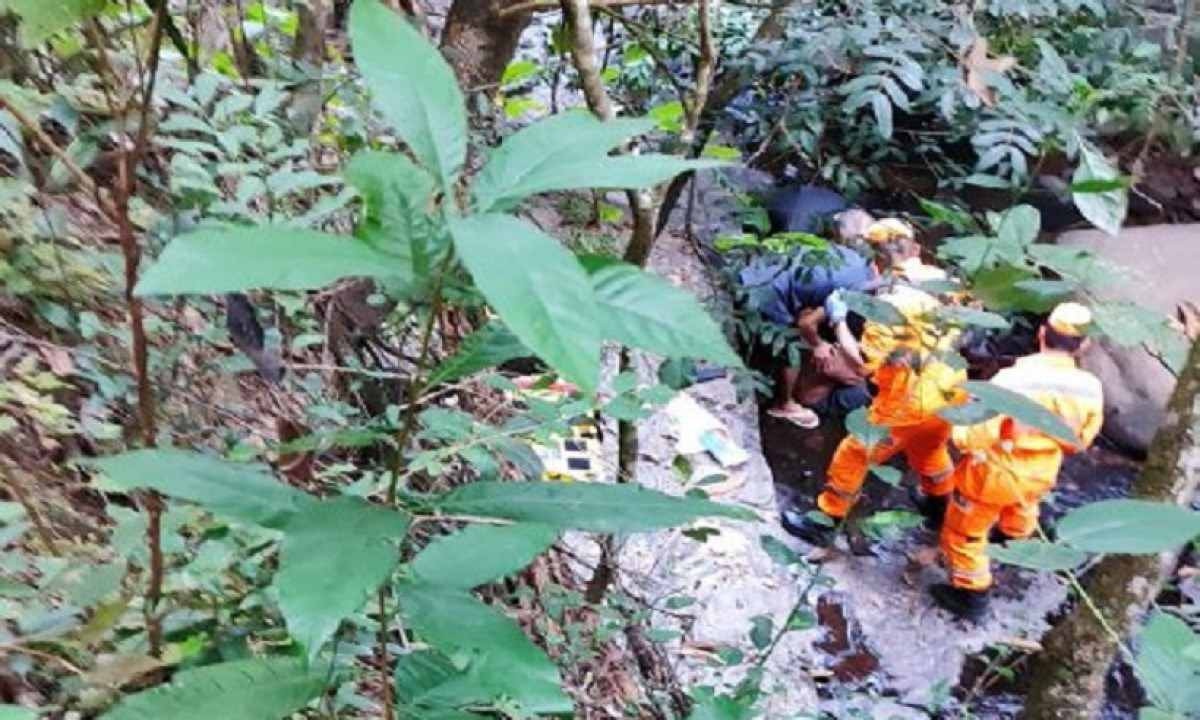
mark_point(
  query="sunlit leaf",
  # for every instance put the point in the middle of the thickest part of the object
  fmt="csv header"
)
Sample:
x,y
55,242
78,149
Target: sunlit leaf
x,y
266,689
244,258
317,587
413,85
539,290
583,506
246,493
1128,526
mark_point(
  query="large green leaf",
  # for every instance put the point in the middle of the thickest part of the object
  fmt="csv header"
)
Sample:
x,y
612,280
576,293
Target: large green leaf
x,y
333,556
413,86
481,554
539,290
421,678
965,316
569,151
1038,555
525,162
1128,526
643,310
584,506
245,493
1004,288
1171,678
41,19
487,347
504,662
1106,210
17,712
267,689
1020,408
242,258
397,196
1019,226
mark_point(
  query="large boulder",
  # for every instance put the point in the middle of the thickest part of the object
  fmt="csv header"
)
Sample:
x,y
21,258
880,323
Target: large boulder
x,y
1160,263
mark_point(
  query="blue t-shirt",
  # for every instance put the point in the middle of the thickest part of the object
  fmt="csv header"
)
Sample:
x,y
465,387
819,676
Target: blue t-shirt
x,y
805,279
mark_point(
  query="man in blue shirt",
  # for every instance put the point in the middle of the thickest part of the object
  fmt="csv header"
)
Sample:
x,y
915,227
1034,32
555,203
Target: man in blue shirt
x,y
801,291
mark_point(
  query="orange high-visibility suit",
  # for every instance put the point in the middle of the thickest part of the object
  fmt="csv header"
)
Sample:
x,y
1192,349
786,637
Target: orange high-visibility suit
x,y
1007,467
913,385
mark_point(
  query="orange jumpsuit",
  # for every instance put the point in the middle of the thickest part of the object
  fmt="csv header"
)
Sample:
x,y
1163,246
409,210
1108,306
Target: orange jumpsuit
x,y
912,387
1007,468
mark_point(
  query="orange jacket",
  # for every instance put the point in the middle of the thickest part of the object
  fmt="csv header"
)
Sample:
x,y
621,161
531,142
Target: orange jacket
x,y
1026,461
912,388
912,384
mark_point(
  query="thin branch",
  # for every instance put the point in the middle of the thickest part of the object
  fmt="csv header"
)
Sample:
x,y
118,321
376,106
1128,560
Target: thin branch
x,y
34,129
545,5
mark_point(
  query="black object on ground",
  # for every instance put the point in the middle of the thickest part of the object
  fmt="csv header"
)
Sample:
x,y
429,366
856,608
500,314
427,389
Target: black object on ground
x,y
803,209
969,605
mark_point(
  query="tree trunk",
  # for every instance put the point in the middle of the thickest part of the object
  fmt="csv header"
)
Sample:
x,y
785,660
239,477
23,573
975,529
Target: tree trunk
x,y
308,49
1068,676
479,43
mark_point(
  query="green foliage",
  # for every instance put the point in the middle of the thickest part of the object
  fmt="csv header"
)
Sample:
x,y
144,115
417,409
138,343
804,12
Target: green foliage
x,y
42,19
583,506
540,291
1002,401
1168,666
487,347
1038,555
503,663
644,311
481,554
413,85
1105,208
1128,526
236,491
227,260
258,689
317,586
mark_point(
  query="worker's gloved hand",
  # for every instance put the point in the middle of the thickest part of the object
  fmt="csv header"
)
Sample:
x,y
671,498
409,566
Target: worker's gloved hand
x,y
836,309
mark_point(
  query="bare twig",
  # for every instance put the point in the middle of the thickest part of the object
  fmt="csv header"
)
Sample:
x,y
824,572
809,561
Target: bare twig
x,y
34,129
29,503
385,661
544,5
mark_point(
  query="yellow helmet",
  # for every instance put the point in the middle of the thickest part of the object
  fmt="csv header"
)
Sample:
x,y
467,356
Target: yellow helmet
x,y
888,229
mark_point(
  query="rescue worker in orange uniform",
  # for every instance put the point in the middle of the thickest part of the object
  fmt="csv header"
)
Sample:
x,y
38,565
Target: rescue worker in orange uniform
x,y
914,382
1007,467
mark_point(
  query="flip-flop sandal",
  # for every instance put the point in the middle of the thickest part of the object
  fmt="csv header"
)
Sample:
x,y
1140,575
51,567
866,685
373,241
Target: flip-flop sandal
x,y
806,420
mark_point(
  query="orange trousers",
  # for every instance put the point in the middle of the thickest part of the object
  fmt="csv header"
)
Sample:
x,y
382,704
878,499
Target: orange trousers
x,y
981,501
923,445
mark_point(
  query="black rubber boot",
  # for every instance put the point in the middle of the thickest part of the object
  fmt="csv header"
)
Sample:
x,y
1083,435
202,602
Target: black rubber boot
x,y
996,536
969,605
931,507
798,524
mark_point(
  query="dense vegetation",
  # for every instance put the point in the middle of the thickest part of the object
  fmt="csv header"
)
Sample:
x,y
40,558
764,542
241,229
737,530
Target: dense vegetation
x,y
268,268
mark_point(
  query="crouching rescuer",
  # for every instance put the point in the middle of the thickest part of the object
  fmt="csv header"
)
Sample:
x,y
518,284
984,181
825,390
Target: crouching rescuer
x,y
913,380
1007,467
